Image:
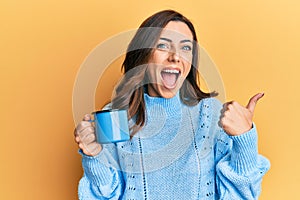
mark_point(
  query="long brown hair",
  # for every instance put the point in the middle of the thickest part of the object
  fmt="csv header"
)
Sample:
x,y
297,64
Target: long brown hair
x,y
130,91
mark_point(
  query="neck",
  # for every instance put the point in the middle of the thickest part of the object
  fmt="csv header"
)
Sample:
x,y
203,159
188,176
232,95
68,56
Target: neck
x,y
169,106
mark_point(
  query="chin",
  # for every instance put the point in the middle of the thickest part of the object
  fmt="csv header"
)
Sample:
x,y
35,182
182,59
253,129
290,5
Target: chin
x,y
163,92
166,93
168,96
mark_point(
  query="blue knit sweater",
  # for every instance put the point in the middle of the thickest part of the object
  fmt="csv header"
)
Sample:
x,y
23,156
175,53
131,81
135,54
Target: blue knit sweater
x,y
180,153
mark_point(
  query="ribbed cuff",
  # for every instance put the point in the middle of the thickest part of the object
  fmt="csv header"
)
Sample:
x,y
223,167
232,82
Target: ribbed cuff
x,y
95,169
244,152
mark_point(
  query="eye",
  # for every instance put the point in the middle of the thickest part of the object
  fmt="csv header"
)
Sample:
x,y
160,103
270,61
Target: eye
x,y
187,48
162,46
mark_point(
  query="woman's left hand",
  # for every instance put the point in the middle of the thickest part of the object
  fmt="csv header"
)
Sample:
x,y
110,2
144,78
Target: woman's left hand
x,y
236,119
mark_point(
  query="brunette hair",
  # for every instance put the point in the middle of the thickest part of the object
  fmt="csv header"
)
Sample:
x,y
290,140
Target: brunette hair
x,y
129,93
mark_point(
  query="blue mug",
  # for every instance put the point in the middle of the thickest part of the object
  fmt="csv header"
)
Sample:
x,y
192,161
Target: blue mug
x,y
111,126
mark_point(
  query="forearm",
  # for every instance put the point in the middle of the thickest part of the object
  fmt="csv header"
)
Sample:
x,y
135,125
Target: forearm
x,y
240,171
103,174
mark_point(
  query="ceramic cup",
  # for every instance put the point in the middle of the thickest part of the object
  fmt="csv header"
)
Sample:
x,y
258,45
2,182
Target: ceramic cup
x,y
111,126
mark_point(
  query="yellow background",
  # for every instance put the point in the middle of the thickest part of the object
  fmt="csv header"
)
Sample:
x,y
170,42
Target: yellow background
x,y
255,45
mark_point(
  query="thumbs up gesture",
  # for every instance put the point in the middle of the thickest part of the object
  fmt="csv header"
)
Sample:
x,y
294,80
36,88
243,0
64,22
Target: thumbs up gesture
x,y
236,119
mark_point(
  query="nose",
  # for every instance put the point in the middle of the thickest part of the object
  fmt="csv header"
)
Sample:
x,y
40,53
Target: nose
x,y
174,55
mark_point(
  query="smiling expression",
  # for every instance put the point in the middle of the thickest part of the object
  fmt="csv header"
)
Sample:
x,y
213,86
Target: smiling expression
x,y
171,60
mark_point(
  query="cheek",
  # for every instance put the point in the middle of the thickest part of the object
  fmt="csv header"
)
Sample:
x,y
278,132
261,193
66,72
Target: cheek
x,y
187,59
158,57
187,70
151,72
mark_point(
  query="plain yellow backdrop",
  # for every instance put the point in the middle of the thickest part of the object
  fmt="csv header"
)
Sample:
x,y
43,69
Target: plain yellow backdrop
x,y
255,45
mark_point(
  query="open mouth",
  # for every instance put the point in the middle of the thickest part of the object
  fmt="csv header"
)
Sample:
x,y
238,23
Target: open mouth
x,y
169,77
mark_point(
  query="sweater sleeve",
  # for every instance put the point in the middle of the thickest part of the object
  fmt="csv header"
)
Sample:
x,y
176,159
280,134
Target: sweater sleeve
x,y
239,167
102,177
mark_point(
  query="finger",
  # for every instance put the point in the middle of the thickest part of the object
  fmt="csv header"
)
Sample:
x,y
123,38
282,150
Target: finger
x,y
88,139
225,105
91,149
87,117
223,110
82,126
237,108
253,101
95,148
86,132
77,139
223,123
220,123
229,107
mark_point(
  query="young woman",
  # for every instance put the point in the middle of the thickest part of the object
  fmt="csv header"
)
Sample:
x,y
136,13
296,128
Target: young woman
x,y
184,143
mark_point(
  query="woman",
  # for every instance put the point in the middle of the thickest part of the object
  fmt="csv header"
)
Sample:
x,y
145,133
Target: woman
x,y
184,143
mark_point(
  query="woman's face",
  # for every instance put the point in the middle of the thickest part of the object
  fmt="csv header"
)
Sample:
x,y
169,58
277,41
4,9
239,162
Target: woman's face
x,y
171,60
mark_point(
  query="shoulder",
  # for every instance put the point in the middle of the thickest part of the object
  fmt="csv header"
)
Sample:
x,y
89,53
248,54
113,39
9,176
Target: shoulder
x,y
211,101
210,105
208,112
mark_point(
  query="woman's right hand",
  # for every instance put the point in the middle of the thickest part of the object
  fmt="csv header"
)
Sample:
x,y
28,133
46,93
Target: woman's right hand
x,y
85,137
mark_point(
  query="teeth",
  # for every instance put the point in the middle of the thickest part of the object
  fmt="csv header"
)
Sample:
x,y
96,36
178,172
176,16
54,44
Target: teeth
x,y
174,71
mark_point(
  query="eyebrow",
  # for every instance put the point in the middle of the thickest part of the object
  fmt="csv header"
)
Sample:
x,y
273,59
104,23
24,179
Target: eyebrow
x,y
168,40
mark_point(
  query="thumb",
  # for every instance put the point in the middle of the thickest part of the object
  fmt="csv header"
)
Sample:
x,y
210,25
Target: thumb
x,y
252,102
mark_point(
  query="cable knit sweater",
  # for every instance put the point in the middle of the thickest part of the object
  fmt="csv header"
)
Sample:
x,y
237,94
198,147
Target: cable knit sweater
x,y
180,153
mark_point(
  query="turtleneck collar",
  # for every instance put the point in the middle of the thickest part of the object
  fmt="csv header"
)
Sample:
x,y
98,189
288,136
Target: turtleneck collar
x,y
170,106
